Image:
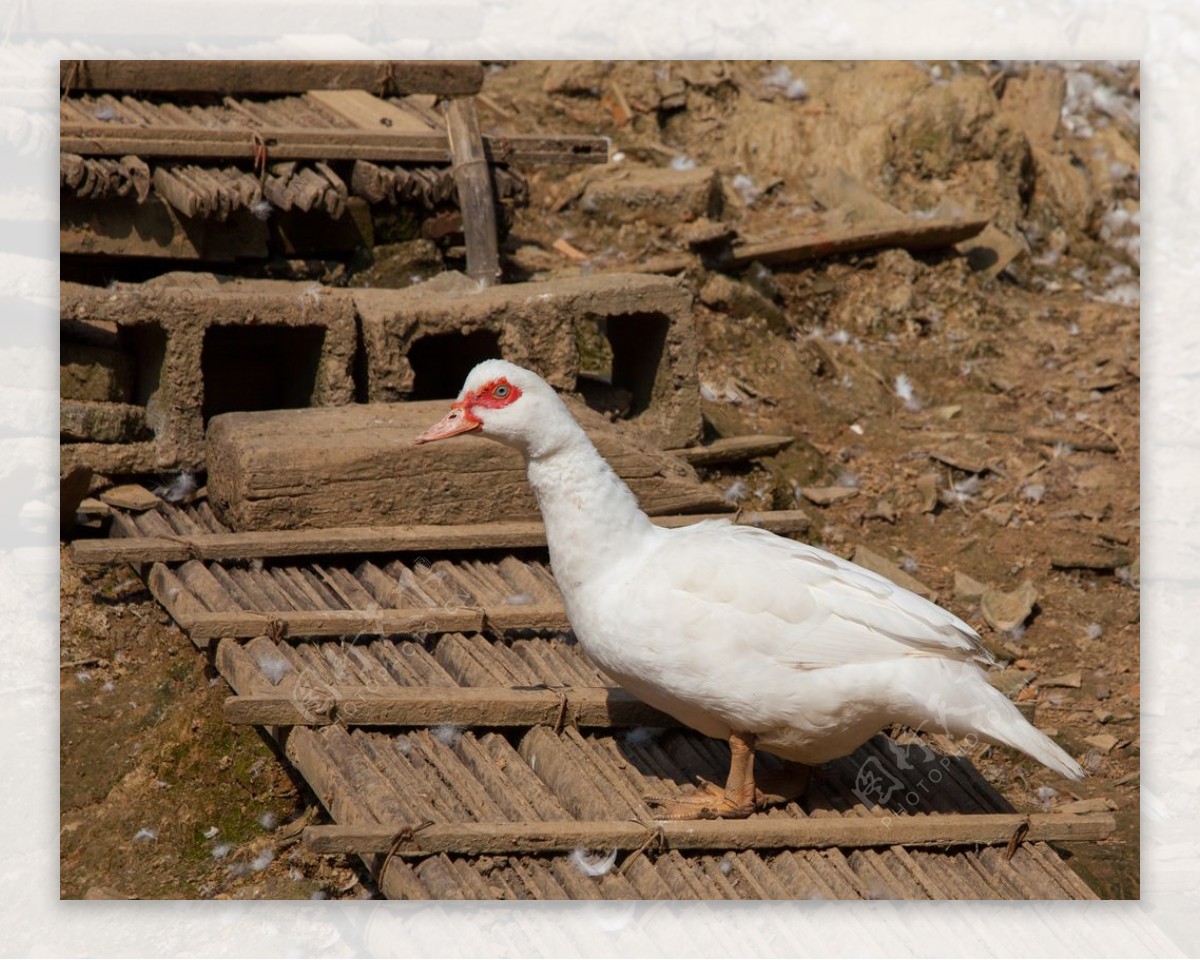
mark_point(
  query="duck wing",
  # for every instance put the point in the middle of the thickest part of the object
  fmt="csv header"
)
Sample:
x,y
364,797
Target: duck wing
x,y
796,603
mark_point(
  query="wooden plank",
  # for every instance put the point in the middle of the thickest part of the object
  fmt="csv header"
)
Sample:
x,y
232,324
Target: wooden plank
x,y
461,706
367,112
337,466
449,78
211,625
734,449
239,668
365,540
238,143
914,235
475,198
933,830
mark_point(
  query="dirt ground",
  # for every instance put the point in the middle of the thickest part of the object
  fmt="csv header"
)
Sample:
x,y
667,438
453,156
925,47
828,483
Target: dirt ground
x,y
975,426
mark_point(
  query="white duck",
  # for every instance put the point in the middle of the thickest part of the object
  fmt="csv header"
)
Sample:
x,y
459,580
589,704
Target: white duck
x,y
734,631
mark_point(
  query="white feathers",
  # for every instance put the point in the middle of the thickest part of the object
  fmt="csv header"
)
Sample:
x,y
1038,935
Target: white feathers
x,y
221,851
781,79
268,821
274,667
263,860
261,209
591,866
905,391
520,600
179,489
447,733
682,162
731,628
145,835
744,187
736,491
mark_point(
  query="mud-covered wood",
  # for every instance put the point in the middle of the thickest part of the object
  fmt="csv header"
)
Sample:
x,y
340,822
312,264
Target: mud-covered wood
x,y
360,465
450,78
734,449
293,703
475,195
506,534
915,235
931,830
239,143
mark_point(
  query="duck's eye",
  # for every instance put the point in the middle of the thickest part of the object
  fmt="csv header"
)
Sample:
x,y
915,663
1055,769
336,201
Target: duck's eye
x,y
501,391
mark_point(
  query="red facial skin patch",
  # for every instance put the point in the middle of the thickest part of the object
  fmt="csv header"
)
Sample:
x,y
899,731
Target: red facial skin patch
x,y
462,419
491,396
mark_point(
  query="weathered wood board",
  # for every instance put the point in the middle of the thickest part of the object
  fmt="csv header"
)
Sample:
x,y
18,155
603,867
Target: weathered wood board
x,y
359,465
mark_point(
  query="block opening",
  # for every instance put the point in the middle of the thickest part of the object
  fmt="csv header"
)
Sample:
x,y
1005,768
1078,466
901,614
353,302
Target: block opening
x,y
440,362
622,361
259,368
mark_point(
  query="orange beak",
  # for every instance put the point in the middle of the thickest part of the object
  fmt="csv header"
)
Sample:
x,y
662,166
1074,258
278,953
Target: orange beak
x,y
458,420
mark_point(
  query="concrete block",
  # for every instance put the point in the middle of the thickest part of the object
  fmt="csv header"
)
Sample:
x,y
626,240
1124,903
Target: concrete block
x,y
202,348
93,373
421,342
80,421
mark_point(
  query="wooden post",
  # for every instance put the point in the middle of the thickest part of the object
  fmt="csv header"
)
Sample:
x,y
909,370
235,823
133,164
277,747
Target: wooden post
x,y
475,197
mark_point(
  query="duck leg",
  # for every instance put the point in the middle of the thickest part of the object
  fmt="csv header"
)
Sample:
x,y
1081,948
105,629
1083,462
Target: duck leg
x,y
737,800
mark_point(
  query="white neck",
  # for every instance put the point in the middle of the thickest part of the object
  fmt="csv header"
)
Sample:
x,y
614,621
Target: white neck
x,y
591,517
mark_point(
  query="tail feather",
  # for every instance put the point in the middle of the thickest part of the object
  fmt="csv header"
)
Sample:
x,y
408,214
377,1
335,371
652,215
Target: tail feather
x,y
1006,725
964,704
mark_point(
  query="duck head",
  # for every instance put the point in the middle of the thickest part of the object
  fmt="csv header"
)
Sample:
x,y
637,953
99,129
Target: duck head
x,y
510,404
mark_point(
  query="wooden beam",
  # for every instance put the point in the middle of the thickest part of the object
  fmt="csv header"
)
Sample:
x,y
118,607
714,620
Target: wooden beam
x,y
915,235
448,78
313,703
928,830
475,197
734,449
207,625
365,540
238,143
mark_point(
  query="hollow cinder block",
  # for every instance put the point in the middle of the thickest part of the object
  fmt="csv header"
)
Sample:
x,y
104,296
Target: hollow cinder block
x,y
202,348
419,343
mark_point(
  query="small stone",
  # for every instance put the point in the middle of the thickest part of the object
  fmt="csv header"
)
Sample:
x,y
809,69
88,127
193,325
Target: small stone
x,y
1000,514
885,568
948,412
927,489
968,588
827,496
1102,716
1073,680
883,510
968,457
1007,611
1011,681
130,496
1104,742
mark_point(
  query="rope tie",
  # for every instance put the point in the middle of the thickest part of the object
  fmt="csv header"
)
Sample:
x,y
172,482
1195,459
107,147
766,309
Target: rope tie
x,y
655,843
407,834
